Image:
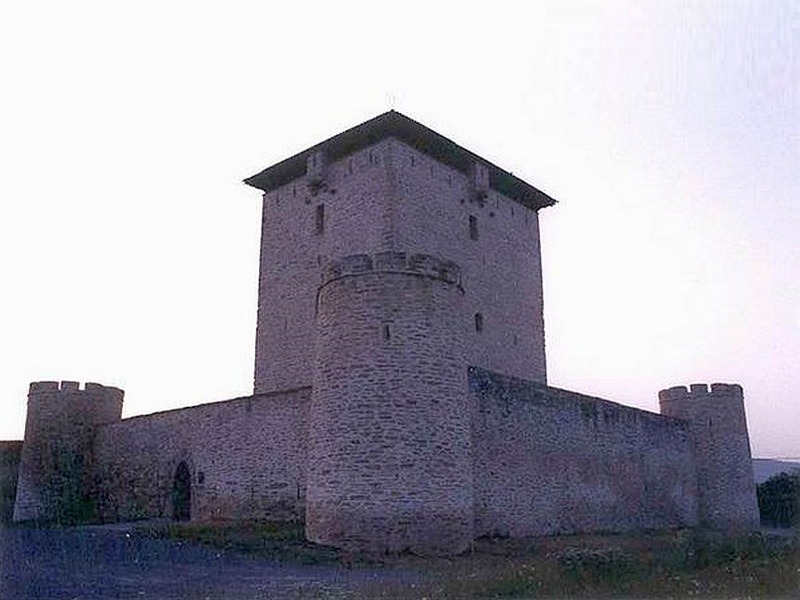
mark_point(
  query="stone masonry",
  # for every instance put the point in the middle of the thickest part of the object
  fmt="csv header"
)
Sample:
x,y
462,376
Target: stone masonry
x,y
389,423
400,389
9,471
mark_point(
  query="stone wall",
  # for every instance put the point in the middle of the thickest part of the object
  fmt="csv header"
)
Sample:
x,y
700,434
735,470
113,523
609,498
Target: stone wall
x,y
304,227
399,446
9,468
495,241
551,461
245,457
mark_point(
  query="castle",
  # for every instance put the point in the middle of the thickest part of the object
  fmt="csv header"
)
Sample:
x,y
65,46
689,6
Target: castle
x,y
400,391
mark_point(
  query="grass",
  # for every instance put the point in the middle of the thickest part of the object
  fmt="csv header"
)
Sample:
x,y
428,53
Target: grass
x,y
658,565
668,564
284,542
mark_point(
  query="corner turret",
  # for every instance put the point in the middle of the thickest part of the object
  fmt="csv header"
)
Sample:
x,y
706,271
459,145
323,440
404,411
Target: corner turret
x,y
55,482
721,448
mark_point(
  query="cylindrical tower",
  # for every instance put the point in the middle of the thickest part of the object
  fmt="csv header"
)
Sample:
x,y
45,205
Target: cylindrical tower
x,y
55,467
721,448
390,463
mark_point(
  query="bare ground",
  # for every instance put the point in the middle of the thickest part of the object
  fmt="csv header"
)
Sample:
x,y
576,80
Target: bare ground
x,y
93,563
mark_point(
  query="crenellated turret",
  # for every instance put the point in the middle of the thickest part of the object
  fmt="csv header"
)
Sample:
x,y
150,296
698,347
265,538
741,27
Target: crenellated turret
x,y
55,467
721,448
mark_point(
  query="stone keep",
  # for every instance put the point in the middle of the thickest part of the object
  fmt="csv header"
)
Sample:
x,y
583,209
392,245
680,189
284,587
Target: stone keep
x,y
360,296
400,387
392,185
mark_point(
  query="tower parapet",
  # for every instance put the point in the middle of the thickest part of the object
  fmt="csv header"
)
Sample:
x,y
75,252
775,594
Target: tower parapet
x,y
390,461
721,448
423,265
55,467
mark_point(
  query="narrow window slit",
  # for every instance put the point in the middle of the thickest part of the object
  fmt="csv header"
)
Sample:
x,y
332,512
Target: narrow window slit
x,y
320,219
473,227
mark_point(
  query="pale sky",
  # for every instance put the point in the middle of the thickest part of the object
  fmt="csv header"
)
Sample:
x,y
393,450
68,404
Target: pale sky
x,y
669,132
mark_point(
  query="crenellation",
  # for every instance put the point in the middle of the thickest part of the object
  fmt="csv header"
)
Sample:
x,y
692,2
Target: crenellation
x,y
674,393
393,262
701,391
37,387
43,386
727,389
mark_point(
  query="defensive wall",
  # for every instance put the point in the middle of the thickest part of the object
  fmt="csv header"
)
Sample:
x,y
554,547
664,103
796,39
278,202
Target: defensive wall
x,y
529,459
245,457
551,461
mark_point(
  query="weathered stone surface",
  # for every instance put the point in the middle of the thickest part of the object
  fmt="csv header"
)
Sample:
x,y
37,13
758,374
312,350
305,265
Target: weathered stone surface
x,y
10,453
720,449
552,461
390,440
391,198
56,467
246,458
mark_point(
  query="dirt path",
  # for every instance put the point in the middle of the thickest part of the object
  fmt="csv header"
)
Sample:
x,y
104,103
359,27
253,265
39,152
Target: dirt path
x,y
91,563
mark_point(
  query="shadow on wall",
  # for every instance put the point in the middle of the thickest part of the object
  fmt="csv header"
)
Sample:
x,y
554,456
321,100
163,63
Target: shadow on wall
x,y
182,493
10,453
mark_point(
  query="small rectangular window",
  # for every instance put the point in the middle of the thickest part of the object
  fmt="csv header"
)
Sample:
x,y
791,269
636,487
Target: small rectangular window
x,y
478,322
473,227
320,219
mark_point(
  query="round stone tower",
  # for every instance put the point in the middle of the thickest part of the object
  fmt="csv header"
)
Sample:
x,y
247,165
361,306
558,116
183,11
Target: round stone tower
x,y
390,462
721,449
55,477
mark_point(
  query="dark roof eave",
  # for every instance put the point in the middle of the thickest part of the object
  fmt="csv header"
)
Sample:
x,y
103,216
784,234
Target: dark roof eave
x,y
427,141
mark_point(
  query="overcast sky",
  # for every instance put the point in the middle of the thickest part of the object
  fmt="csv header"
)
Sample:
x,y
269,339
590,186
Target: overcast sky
x,y
669,132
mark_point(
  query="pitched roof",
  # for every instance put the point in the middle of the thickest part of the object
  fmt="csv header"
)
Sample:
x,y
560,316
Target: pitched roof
x,y
427,141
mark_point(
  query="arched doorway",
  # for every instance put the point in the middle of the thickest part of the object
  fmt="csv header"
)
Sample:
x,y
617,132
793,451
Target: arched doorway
x,y
182,493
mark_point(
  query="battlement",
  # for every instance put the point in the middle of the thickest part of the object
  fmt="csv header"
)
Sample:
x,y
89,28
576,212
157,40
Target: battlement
x,y
44,386
701,391
423,265
38,387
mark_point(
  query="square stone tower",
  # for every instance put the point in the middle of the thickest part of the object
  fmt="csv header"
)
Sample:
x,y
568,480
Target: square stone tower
x,y
393,185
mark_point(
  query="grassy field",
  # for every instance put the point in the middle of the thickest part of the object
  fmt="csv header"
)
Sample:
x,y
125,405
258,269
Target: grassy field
x,y
670,564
